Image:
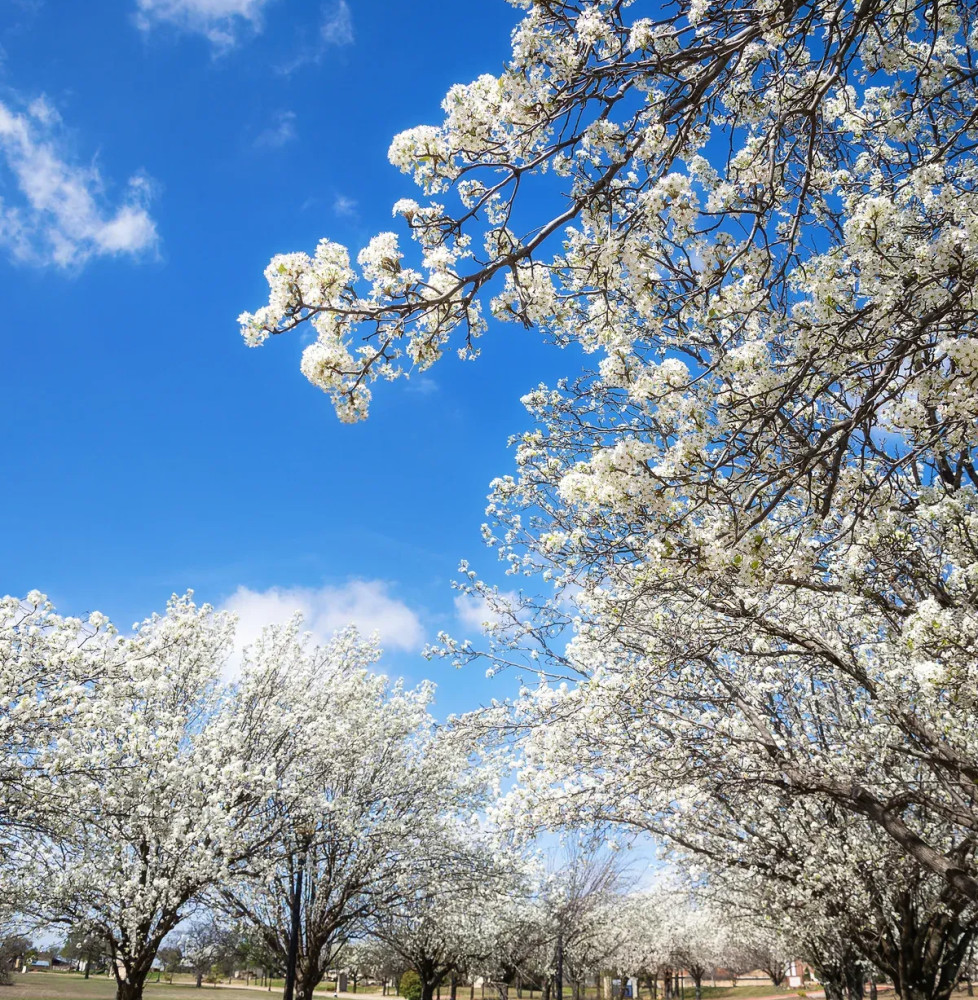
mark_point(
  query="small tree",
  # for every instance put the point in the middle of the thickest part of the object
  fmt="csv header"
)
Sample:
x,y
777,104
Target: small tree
x,y
410,986
169,957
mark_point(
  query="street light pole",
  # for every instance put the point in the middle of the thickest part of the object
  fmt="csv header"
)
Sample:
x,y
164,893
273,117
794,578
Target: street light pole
x,y
559,974
296,918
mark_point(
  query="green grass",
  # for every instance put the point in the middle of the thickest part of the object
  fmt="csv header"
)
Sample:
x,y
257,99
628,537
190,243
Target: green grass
x,y
752,989
74,986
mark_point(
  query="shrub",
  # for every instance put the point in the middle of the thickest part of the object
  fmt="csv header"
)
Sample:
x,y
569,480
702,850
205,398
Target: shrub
x,y
410,986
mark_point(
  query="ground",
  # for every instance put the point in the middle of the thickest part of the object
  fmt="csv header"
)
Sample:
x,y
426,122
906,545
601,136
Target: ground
x,y
71,986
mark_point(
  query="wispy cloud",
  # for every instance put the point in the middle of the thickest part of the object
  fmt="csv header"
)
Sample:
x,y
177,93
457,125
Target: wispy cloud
x,y
344,206
422,385
281,131
335,31
337,26
364,603
55,212
475,613
220,21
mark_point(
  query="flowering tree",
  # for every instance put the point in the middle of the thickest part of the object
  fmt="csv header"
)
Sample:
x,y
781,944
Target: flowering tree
x,y
374,778
759,218
51,669
581,901
755,943
645,948
375,960
464,907
828,890
181,771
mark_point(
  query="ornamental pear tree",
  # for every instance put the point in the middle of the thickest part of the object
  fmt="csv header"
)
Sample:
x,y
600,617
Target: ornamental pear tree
x,y
645,944
698,943
375,779
582,897
51,669
460,905
834,894
174,805
755,513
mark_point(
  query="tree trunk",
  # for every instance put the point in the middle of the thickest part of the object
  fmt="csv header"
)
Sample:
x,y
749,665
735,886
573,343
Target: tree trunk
x,y
131,988
308,975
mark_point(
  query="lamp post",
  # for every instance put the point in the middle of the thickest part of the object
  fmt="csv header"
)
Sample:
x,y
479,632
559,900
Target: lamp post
x,y
559,971
293,955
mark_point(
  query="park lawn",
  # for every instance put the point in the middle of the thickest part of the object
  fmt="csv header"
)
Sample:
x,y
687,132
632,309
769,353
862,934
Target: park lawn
x,y
71,986
736,992
74,986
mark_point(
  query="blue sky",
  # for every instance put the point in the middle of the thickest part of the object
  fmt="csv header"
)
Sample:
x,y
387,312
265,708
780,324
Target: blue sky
x,y
154,154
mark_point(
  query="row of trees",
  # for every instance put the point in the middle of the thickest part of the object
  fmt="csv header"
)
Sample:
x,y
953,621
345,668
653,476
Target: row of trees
x,y
748,531
141,790
138,787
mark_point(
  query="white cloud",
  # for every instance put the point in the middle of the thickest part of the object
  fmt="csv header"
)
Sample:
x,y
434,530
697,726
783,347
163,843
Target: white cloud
x,y
53,211
344,206
364,603
218,20
281,131
474,613
335,30
422,385
337,27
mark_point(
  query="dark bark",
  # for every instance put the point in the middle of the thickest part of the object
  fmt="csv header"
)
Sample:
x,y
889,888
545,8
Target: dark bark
x,y
923,952
131,987
308,975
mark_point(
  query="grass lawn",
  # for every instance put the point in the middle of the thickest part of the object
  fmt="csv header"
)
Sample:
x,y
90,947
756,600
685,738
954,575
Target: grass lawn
x,y
70,986
74,986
